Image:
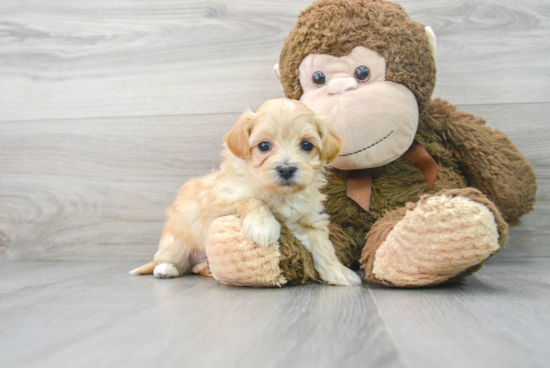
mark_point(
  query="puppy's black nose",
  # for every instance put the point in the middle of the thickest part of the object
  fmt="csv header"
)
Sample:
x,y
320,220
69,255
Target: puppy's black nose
x,y
286,171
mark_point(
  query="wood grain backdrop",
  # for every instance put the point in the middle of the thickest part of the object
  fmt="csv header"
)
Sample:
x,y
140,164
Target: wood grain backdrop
x,y
107,107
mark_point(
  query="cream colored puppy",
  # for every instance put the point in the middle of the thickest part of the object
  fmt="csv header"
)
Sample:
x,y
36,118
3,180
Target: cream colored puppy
x,y
274,167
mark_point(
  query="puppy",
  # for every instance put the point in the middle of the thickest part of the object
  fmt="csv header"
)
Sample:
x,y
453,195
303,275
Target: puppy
x,y
273,168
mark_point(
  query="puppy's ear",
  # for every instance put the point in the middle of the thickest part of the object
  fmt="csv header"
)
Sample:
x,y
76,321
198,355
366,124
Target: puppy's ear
x,y
237,138
332,145
332,142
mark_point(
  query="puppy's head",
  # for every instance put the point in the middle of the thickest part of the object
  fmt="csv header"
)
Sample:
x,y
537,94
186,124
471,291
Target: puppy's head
x,y
285,144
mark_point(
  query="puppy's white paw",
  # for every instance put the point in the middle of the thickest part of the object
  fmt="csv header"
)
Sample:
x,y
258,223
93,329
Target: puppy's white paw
x,y
166,271
339,275
263,230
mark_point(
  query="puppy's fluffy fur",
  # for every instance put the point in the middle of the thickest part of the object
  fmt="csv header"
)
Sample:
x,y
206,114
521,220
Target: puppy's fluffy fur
x,y
268,170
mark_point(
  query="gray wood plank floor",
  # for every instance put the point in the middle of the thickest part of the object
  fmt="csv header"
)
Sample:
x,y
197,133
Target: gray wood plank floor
x,y
90,314
107,107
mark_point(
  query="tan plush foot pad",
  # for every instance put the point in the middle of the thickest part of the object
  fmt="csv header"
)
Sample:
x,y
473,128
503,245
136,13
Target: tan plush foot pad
x,y
235,260
437,240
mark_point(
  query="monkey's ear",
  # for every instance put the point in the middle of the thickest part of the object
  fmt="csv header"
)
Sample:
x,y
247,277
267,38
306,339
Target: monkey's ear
x,y
331,141
277,71
432,41
237,138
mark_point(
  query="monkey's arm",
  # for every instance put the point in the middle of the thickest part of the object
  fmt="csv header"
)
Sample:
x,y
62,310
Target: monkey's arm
x,y
488,159
236,260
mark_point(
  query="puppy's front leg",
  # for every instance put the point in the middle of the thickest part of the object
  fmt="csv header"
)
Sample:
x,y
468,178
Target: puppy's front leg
x,y
259,224
314,236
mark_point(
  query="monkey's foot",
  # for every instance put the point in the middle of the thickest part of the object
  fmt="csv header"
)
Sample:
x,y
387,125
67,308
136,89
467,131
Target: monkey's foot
x,y
441,238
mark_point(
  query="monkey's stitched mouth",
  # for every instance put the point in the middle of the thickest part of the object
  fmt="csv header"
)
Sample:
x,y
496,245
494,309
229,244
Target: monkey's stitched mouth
x,y
366,148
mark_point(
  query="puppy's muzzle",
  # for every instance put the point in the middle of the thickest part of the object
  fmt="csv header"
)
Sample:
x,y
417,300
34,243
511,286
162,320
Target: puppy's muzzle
x,y
286,171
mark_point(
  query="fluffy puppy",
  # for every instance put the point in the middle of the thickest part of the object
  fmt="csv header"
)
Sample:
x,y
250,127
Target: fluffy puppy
x,y
273,168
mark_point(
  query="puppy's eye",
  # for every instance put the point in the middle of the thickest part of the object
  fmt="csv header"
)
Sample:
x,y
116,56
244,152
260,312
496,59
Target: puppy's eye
x,y
264,146
319,78
307,146
362,73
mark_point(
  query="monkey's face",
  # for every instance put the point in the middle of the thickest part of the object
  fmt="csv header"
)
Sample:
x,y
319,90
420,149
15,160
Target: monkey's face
x,y
377,118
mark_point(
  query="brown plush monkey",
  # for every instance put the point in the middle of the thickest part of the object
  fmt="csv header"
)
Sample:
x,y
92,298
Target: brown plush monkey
x,y
422,194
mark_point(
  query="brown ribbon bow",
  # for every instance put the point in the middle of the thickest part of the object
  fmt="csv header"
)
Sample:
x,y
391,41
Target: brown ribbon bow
x,y
359,182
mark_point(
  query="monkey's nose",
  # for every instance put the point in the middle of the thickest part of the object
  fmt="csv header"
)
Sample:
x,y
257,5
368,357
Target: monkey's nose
x,y
286,171
341,85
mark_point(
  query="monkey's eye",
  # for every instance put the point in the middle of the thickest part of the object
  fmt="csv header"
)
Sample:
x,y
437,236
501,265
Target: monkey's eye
x,y
362,73
307,146
319,78
264,146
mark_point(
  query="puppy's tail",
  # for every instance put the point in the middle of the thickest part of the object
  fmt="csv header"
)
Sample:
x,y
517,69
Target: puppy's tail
x,y
146,269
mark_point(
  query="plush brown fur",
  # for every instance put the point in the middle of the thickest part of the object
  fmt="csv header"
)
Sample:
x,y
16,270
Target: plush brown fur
x,y
474,161
468,153
488,160
296,262
335,27
399,182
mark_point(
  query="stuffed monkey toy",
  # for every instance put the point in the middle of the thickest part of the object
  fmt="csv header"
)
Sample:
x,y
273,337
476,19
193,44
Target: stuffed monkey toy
x,y
422,194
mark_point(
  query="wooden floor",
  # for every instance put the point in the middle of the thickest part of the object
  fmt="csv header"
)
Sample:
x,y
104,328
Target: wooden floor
x,y
107,107
93,314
